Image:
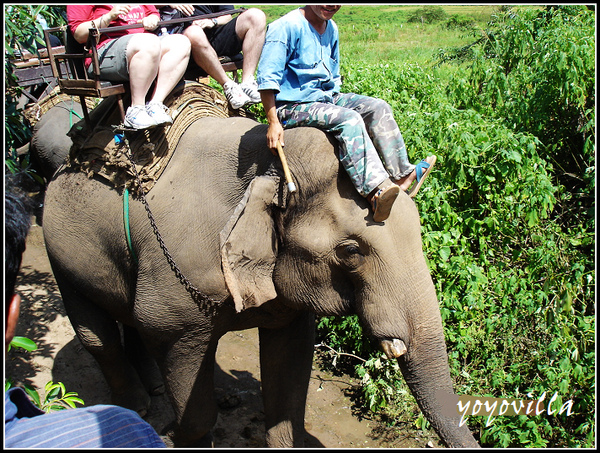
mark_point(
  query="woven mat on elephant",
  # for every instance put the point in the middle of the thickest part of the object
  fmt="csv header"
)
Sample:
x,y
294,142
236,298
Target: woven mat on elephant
x,y
55,97
97,153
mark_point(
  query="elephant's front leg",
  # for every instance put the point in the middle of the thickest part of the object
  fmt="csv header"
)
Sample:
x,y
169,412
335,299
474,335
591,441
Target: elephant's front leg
x,y
189,368
285,359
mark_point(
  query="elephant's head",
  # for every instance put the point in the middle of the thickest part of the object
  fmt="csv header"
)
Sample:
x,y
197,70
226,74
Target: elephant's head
x,y
320,249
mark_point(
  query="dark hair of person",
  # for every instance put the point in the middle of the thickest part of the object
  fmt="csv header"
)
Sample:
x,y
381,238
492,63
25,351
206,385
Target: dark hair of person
x,y
17,221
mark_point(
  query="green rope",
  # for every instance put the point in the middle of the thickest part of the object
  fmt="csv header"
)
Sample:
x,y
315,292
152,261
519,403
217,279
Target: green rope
x,y
126,222
71,112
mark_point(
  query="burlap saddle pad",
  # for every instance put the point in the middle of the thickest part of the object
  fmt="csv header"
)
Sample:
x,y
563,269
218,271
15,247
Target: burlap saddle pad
x,y
99,152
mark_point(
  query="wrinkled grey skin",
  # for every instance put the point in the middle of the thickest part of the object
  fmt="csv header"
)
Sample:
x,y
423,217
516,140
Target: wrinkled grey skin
x,y
47,155
271,261
50,144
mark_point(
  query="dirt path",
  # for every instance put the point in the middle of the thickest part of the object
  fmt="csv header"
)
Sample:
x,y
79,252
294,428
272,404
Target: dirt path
x,y
61,358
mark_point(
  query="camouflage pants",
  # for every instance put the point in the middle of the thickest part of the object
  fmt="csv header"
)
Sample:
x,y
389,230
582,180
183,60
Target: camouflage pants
x,y
371,146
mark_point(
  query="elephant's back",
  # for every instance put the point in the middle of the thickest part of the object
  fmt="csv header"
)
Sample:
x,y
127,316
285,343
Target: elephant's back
x,y
215,161
221,142
195,197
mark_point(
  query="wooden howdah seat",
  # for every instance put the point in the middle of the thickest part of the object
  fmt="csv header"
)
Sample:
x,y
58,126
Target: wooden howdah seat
x,y
34,73
69,70
73,79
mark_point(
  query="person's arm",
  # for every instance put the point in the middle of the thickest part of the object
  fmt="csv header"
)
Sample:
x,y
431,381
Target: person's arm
x,y
337,78
187,10
151,17
269,76
275,130
222,20
82,29
80,19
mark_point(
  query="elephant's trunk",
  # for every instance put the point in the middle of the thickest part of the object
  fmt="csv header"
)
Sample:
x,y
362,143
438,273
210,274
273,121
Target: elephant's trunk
x,y
426,371
412,332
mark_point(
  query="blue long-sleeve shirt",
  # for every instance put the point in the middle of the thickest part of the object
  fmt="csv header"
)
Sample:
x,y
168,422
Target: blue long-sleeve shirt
x,y
298,63
100,426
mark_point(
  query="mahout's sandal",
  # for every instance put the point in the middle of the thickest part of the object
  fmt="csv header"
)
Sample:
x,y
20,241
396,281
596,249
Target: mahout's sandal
x,y
423,169
383,200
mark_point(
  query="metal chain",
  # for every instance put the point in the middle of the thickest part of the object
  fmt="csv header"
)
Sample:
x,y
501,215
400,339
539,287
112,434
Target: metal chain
x,y
200,298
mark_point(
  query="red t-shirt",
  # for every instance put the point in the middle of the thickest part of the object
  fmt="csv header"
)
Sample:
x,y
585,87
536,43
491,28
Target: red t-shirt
x,y
78,14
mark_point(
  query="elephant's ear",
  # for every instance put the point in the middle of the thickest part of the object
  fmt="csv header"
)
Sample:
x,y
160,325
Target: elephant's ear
x,y
249,245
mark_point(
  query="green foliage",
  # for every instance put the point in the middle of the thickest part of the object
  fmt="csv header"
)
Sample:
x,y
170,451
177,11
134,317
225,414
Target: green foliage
x,y
22,31
345,333
460,22
23,343
55,397
535,71
428,15
382,383
509,236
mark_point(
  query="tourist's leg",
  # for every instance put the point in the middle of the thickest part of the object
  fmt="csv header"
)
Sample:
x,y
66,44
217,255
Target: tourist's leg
x,y
175,54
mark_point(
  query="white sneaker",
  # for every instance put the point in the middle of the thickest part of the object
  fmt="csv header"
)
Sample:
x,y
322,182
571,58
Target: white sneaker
x,y
235,95
137,117
158,112
251,90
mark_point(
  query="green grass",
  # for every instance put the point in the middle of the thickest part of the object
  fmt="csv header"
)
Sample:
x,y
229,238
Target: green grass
x,y
379,34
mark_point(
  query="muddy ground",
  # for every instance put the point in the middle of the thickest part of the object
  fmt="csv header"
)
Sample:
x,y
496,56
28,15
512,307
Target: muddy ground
x,y
332,420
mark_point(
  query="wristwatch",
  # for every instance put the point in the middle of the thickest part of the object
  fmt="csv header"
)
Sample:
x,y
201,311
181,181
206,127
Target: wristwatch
x,y
214,21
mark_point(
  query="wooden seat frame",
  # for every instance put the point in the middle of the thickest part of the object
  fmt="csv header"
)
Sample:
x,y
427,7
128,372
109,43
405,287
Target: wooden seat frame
x,y
76,80
34,73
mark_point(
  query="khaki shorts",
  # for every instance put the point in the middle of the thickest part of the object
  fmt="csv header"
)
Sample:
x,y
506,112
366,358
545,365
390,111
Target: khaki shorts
x,y
112,57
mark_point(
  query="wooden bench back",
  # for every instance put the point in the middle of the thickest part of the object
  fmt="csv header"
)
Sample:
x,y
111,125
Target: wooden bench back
x,y
68,68
76,80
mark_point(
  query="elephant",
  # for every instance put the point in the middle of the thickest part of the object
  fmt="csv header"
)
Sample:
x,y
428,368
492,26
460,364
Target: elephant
x,y
246,252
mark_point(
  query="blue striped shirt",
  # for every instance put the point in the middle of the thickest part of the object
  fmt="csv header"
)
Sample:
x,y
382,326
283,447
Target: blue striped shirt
x,y
298,63
100,426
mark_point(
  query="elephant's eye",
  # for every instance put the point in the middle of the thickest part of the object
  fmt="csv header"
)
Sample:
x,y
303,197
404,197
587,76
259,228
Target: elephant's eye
x,y
351,249
350,255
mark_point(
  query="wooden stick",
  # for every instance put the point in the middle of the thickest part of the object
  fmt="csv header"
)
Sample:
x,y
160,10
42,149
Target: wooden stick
x,y
286,169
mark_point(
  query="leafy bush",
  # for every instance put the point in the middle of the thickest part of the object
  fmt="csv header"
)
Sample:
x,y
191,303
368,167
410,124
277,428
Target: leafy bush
x,y
535,70
428,15
460,22
55,396
23,31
